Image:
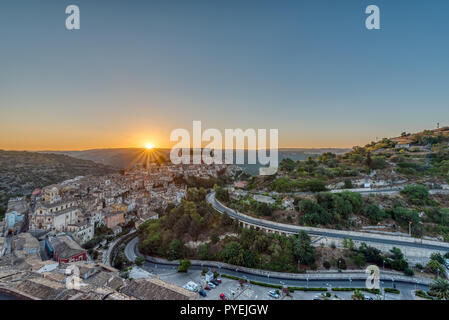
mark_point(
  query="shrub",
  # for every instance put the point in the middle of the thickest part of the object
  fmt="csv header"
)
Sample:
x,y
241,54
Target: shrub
x,y
417,195
435,267
341,264
422,294
139,261
358,295
359,259
184,265
263,284
327,265
348,184
392,290
292,289
438,257
409,272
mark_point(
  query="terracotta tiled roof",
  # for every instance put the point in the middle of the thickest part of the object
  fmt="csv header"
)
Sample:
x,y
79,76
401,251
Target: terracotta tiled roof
x,y
155,289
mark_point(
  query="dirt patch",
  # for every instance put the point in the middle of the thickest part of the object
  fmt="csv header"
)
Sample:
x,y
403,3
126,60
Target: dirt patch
x,y
331,255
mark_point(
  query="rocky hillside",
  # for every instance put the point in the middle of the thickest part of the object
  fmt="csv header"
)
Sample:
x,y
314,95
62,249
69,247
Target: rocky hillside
x,y
21,172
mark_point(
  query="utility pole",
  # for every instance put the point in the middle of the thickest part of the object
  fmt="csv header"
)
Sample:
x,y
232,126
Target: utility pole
x,y
410,229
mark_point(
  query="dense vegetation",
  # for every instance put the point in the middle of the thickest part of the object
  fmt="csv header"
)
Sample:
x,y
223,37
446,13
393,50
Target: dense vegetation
x,y
221,239
423,163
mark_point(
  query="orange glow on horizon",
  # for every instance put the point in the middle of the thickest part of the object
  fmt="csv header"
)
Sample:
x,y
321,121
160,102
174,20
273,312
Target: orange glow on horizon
x,y
149,146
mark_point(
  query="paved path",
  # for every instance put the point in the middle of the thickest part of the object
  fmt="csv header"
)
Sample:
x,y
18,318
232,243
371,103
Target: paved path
x,y
317,279
107,256
356,236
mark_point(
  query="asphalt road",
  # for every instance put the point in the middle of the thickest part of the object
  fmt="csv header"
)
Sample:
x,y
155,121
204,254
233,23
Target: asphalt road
x,y
324,281
328,233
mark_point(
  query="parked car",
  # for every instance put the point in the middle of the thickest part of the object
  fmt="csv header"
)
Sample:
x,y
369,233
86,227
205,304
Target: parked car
x,y
210,284
215,282
191,286
202,293
273,294
220,281
207,287
223,297
368,298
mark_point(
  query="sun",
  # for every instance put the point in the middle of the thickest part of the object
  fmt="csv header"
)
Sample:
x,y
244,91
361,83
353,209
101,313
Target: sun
x,y
149,146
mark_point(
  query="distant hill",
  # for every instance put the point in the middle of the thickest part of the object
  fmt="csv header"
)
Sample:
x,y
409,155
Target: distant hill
x,y
424,137
127,157
120,158
21,172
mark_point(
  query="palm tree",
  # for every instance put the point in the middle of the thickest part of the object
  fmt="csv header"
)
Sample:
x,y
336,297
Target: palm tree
x,y
358,295
440,288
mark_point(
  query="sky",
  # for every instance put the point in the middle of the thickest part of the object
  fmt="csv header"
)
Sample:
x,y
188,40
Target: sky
x,y
136,70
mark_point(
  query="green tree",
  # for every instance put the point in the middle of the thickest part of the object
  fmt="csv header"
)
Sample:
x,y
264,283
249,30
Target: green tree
x,y
373,212
214,238
151,244
287,165
351,244
233,254
303,250
372,255
221,194
417,195
440,288
359,259
348,184
435,267
204,252
184,265
438,257
358,295
139,261
175,250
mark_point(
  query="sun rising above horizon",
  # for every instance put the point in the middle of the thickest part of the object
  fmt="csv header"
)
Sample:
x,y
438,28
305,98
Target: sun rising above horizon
x,y
149,146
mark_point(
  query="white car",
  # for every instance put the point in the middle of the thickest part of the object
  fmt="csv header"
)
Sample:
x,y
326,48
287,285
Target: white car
x,y
191,286
210,284
273,294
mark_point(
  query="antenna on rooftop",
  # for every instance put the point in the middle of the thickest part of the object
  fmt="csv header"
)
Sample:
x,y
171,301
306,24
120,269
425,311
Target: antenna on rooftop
x,y
438,125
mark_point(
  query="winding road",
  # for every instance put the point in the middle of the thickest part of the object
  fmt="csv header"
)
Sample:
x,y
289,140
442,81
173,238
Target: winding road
x,y
330,280
330,233
408,284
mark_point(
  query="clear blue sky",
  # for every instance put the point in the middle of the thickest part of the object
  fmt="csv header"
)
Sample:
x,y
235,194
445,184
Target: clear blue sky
x,y
138,69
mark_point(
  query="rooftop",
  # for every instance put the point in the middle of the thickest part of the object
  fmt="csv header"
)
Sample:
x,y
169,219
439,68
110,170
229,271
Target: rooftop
x,y
65,247
155,289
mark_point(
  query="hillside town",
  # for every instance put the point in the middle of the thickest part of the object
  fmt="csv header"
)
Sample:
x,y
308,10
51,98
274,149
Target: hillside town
x,y
134,234
44,234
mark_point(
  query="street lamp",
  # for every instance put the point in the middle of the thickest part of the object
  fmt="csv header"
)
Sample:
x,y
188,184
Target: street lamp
x,y
383,265
350,282
307,281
